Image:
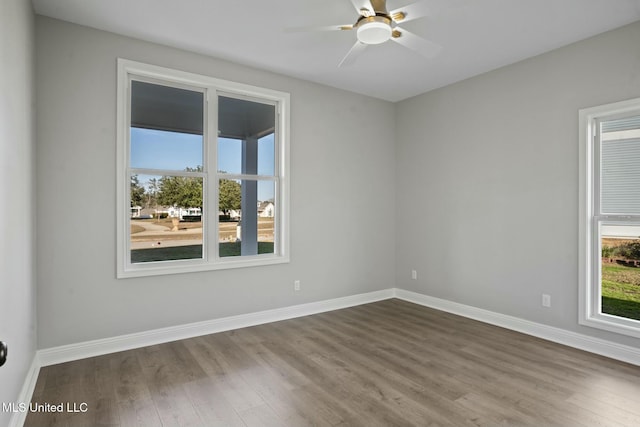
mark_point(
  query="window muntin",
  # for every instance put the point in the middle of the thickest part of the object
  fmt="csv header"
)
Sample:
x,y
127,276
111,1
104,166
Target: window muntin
x,y
610,217
164,116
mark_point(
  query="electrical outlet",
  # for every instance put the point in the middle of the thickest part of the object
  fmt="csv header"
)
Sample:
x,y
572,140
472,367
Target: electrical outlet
x,y
296,285
546,300
414,274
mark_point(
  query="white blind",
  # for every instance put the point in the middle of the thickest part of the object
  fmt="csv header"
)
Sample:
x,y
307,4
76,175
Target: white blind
x,y
620,166
627,123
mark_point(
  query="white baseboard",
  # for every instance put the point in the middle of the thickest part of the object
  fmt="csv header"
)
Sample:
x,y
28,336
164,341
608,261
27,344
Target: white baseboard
x,y
18,418
572,339
67,353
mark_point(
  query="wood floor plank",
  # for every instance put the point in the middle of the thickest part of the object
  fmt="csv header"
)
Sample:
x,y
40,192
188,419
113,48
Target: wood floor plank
x,y
260,416
129,381
380,364
356,371
235,389
166,368
140,412
282,387
210,403
40,383
607,410
367,408
403,389
106,407
450,376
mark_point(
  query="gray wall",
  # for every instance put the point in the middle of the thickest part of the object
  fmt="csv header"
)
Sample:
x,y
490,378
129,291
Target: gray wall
x,y
342,233
17,279
487,180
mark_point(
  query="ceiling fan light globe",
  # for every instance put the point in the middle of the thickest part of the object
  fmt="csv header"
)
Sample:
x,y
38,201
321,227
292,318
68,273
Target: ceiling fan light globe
x,y
374,32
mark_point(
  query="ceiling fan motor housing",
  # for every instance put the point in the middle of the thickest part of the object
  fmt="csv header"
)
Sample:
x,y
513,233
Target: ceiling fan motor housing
x,y
374,29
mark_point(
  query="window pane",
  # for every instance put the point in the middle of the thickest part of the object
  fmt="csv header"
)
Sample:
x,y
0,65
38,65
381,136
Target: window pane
x,y
247,217
230,155
620,267
620,166
245,136
166,218
166,127
158,149
155,106
266,216
266,155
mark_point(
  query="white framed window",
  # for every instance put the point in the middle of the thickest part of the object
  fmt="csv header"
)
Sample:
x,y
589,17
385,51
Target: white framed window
x,y
609,259
203,173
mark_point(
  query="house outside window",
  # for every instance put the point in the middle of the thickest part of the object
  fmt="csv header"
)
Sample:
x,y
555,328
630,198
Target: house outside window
x,y
199,161
610,217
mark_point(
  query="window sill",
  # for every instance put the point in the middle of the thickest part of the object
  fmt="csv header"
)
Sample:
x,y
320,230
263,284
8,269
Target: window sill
x,y
615,324
180,267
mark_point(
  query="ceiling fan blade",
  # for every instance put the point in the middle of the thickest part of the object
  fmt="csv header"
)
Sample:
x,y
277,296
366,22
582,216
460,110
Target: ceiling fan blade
x,y
410,12
319,28
353,54
362,5
422,46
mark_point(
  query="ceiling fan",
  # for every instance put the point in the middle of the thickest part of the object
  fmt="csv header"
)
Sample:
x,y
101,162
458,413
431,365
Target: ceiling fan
x,y
376,25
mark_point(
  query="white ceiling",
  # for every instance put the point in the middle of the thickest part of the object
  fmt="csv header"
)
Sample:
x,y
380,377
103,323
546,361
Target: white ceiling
x,y
476,35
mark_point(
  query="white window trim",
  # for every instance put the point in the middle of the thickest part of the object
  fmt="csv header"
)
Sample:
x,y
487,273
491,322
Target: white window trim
x,y
212,87
588,234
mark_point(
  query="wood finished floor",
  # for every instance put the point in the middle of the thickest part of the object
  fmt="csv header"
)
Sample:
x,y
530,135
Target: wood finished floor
x,y
389,363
